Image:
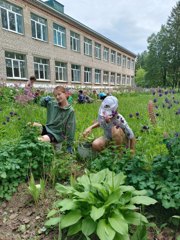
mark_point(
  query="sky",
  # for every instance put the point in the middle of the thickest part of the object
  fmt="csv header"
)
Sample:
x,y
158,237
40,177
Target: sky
x,y
127,22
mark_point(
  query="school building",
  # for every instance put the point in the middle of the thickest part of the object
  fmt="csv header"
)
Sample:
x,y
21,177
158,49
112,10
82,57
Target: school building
x,y
38,38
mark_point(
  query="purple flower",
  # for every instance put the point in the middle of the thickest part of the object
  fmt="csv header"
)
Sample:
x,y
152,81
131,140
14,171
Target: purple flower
x,y
130,115
155,100
160,95
137,114
157,114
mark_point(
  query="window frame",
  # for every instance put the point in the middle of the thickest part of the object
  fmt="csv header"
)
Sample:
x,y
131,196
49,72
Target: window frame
x,y
38,25
17,61
41,66
97,76
97,50
75,41
106,54
8,8
75,73
87,75
61,70
59,35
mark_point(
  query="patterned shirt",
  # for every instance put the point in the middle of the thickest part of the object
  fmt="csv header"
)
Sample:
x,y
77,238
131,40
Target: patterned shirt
x,y
118,121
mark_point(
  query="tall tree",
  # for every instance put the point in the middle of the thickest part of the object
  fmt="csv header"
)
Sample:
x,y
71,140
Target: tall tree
x,y
173,29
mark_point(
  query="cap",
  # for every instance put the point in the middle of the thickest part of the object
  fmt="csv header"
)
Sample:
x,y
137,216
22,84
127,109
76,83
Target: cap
x,y
108,106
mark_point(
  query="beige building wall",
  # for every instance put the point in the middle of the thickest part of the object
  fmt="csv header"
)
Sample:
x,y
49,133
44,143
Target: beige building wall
x,y
25,44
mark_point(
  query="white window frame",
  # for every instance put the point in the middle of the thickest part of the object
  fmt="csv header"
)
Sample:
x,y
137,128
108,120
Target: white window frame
x,y
16,63
119,59
75,42
97,50
123,79
106,54
113,56
75,73
15,12
87,75
39,23
112,78
97,76
87,47
128,63
124,61
105,77
59,35
41,65
128,80
118,82
61,71
132,64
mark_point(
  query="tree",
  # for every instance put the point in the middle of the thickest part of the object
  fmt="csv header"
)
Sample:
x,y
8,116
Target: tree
x,y
140,77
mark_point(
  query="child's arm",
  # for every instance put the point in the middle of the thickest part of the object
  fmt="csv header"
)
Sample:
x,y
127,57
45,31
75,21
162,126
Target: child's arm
x,y
89,129
44,101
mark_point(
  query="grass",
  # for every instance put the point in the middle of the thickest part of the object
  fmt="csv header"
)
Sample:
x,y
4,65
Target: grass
x,y
132,106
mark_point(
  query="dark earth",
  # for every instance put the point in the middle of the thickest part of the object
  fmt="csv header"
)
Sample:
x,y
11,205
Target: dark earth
x,y
20,219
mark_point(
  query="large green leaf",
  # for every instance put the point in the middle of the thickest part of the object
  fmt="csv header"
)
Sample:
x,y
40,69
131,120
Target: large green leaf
x,y
98,177
127,188
52,213
64,189
88,226
70,218
66,204
105,231
140,233
119,179
113,198
119,224
72,230
143,200
121,237
97,213
84,181
134,218
52,221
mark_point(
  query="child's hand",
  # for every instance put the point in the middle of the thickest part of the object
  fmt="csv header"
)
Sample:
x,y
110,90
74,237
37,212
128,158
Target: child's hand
x,y
87,132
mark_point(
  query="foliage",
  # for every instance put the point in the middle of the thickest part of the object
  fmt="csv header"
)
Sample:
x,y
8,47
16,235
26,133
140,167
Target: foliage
x,y
162,60
36,190
140,77
160,178
18,160
99,203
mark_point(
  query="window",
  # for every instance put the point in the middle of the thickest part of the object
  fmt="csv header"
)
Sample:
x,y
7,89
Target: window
x,y
75,42
41,68
132,64
61,71
97,50
38,27
112,79
75,73
128,63
113,56
118,79
87,47
106,54
11,17
123,79
97,76
119,59
124,61
87,75
128,80
15,65
105,77
132,80
59,35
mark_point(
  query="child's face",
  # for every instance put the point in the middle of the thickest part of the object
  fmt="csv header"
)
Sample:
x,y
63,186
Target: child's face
x,y
60,96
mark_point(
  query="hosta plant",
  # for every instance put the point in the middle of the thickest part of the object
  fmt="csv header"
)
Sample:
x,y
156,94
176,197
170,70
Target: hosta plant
x,y
99,204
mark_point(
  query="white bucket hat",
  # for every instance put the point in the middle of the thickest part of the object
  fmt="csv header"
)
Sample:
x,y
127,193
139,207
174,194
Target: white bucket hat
x,y
108,106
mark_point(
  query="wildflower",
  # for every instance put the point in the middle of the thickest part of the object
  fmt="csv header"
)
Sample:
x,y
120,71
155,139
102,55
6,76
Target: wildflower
x,y
160,95
156,106
157,114
155,100
176,134
137,114
130,115
4,123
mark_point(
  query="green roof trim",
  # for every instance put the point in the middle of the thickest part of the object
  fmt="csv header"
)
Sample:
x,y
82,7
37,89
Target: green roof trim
x,y
56,5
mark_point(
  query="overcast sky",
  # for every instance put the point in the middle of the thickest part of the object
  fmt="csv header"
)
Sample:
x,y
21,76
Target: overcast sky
x,y
126,22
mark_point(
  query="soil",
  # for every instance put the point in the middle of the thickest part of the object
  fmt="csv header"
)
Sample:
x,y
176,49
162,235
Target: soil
x,y
20,219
